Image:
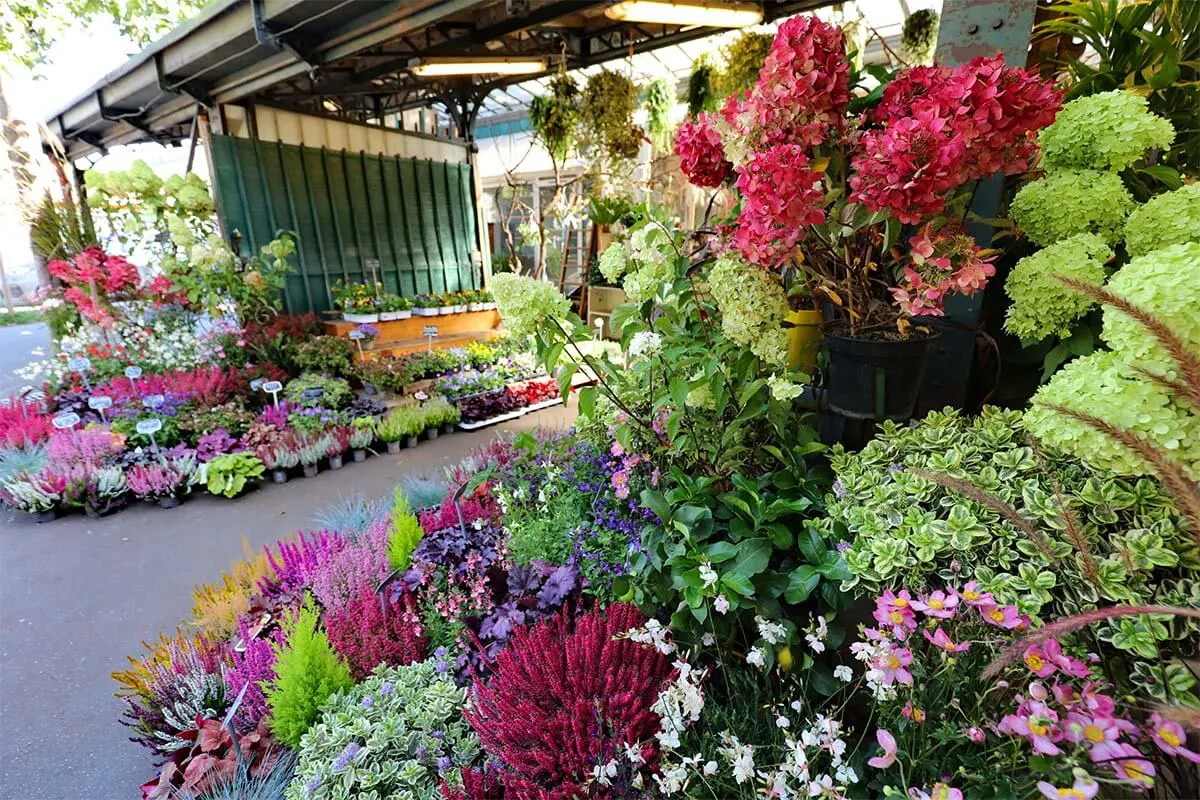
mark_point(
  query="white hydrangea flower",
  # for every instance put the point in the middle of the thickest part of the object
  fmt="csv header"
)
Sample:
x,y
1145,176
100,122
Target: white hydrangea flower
x,y
645,344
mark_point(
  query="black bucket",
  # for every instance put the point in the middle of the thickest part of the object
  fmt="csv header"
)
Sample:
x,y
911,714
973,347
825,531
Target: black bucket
x,y
875,378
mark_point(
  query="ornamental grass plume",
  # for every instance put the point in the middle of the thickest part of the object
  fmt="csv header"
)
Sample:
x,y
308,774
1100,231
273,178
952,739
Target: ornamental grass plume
x,y
369,630
566,696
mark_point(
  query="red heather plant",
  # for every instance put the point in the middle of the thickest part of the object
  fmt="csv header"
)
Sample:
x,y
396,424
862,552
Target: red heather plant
x,y
566,696
476,785
339,439
22,424
368,630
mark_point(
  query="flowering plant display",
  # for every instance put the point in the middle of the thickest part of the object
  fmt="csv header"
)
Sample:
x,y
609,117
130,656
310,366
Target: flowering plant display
x,y
831,193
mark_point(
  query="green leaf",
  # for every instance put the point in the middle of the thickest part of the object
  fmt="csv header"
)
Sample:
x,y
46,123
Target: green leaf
x,y
587,401
719,552
801,583
738,583
753,556
678,388
657,503
811,545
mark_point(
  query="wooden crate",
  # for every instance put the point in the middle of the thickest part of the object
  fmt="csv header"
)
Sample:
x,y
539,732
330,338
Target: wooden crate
x,y
401,336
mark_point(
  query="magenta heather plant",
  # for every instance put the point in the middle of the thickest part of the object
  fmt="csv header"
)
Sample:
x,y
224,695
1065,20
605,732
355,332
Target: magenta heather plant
x,y
95,446
298,559
566,696
277,416
253,666
340,575
366,632
162,479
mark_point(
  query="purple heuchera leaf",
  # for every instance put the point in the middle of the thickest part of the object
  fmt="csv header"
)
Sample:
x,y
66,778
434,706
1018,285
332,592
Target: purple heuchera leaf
x,y
562,582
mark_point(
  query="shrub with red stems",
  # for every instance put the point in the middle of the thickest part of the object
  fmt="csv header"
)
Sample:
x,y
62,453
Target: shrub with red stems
x,y
365,633
566,696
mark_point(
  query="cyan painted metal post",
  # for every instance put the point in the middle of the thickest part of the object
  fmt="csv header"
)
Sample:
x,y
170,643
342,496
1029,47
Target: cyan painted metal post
x,y
968,29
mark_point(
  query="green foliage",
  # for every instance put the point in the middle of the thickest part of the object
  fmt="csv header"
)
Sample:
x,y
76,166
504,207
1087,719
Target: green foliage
x,y
1110,130
136,206
605,211
58,230
439,411
660,100
1067,202
402,422
212,276
1170,218
384,738
555,117
332,354
919,37
701,92
307,673
744,57
406,531
1041,305
606,116
526,303
1151,48
228,473
335,392
1082,538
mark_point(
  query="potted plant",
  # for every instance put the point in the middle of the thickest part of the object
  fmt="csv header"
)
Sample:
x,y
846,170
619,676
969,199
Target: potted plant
x,y
425,305
860,208
362,436
486,301
402,424
312,447
281,456
393,307
339,443
40,495
231,474
460,301
445,305
473,301
164,481
356,301
604,212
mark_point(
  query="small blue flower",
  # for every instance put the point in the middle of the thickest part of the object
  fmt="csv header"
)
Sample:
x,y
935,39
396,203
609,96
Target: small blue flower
x,y
367,701
443,764
839,491
347,755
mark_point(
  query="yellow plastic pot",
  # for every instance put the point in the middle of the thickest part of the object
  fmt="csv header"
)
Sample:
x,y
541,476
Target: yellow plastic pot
x,y
804,339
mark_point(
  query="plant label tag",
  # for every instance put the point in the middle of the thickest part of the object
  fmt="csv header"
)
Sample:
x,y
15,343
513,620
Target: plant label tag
x,y
79,364
148,427
65,421
256,384
153,401
371,263
133,373
356,334
99,402
430,330
313,393
272,387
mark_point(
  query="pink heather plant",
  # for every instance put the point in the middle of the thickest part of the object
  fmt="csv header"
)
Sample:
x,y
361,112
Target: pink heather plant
x,y
91,446
298,560
158,480
341,574
367,631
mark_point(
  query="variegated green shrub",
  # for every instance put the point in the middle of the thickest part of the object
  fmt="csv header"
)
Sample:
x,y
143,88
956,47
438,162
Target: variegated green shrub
x,y
1122,541
392,737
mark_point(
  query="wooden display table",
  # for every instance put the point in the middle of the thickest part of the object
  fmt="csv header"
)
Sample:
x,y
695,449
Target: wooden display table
x,y
401,336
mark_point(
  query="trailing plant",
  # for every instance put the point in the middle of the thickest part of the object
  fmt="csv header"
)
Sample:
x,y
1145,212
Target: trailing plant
x,y
228,474
555,116
332,355
393,735
606,115
307,673
744,57
701,91
660,102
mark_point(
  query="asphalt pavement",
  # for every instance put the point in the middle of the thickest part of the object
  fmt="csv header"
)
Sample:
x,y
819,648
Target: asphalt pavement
x,y
78,595
19,345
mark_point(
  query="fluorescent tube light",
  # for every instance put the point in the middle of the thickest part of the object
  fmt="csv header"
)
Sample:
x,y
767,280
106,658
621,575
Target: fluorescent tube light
x,y
428,67
685,12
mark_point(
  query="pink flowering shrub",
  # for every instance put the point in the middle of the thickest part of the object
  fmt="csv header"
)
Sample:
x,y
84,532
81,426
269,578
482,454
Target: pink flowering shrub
x,y
781,197
944,262
298,560
90,446
1054,725
93,279
340,574
569,694
23,423
368,630
701,156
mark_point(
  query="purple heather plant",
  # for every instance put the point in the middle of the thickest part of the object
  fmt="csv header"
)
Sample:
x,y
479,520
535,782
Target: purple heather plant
x,y
341,575
277,415
298,560
252,666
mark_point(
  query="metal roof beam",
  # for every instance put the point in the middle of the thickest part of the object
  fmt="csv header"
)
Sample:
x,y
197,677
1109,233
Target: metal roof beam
x,y
264,35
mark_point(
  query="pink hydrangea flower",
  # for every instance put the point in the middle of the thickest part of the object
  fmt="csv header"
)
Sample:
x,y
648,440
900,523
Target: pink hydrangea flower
x,y
781,197
701,156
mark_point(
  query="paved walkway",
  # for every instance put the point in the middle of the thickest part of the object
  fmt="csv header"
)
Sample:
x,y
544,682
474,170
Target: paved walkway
x,y
77,596
19,345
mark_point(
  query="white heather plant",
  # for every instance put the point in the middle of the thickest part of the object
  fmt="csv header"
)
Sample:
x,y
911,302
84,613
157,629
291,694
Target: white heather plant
x,y
396,735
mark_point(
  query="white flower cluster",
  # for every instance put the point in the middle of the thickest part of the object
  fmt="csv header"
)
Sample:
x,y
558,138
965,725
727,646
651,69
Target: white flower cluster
x,y
650,262
870,654
655,634
772,632
645,344
679,704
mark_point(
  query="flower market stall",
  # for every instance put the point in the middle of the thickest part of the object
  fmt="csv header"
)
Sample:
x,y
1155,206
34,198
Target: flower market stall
x,y
699,590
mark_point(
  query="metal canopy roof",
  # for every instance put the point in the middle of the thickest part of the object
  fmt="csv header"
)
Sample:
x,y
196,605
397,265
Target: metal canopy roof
x,y
353,54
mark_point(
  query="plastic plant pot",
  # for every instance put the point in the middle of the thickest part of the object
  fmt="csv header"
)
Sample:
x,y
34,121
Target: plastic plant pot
x,y
393,447
279,476
431,434
310,470
169,502
335,462
359,456
448,428
46,516
411,442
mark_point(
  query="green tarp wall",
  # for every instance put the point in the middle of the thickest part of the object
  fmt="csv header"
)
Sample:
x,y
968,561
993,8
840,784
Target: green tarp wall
x,y
412,219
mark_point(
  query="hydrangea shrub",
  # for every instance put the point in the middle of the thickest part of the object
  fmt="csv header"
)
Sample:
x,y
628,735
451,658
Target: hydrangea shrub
x,y
524,302
753,307
395,735
1109,130
1118,540
1071,201
1043,306
1165,283
1170,218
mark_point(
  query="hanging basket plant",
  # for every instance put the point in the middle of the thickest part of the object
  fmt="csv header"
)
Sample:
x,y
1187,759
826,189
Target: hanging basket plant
x,y
555,117
744,57
607,114
660,99
919,37
701,94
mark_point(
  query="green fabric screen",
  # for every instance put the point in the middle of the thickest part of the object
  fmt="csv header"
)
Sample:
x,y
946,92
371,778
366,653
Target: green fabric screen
x,y
415,217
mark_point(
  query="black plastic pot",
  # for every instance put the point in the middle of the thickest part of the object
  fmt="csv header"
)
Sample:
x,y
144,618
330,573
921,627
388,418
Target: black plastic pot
x,y
279,476
874,378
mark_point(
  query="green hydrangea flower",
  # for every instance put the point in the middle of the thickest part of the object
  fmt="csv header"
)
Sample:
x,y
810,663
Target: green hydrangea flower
x,y
1167,284
1171,218
1110,130
1042,306
753,306
652,259
1105,385
524,302
385,737
613,261
1069,201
